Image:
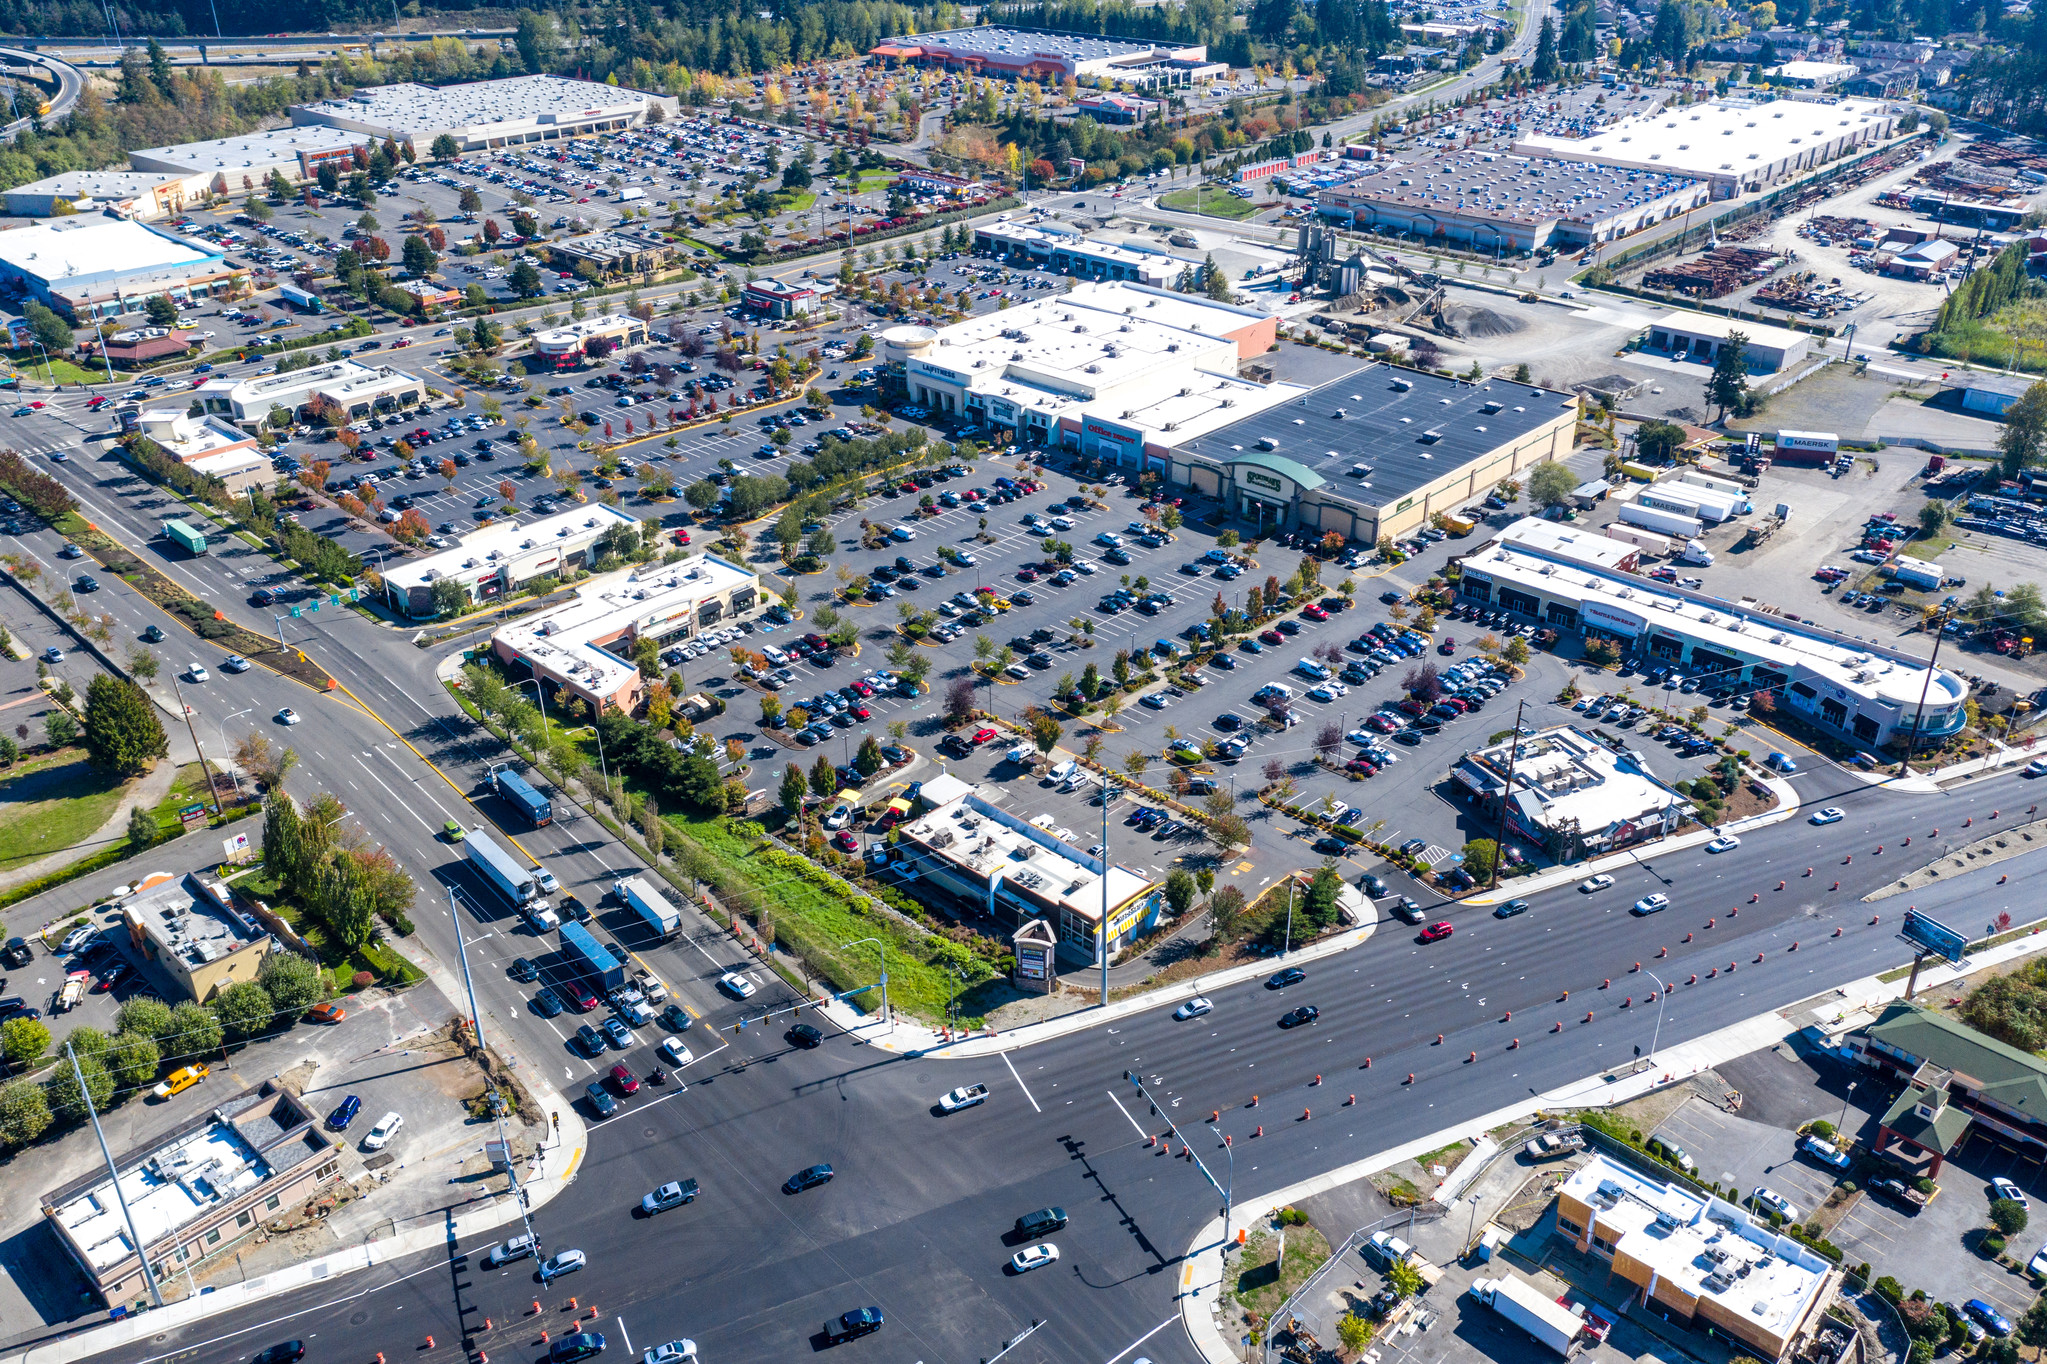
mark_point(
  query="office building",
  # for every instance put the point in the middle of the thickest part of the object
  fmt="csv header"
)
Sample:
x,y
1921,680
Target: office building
x,y
1115,370
502,558
1811,75
1375,453
586,647
1735,145
1508,203
92,266
1016,871
195,1192
494,113
189,928
1046,56
1569,794
1954,1079
1863,692
627,251
1695,1259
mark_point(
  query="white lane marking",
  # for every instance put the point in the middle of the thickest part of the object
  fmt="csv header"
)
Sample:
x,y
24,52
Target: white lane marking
x,y
1146,1336
629,1339
394,795
1120,1109
1019,1081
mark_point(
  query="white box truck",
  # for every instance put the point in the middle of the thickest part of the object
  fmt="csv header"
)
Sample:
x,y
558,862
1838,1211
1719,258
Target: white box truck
x,y
1663,522
648,903
1917,573
513,881
1522,1303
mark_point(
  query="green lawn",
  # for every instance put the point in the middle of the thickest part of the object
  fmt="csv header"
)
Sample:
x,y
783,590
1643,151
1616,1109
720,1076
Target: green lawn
x,y
795,201
873,180
50,807
1213,203
30,363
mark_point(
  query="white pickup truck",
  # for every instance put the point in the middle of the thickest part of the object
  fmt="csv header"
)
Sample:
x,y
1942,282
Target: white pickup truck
x,y
966,1096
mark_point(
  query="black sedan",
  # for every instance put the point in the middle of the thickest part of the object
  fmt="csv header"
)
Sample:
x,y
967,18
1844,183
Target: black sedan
x,y
804,1036
1510,909
1293,975
808,1178
290,1352
1307,1013
522,969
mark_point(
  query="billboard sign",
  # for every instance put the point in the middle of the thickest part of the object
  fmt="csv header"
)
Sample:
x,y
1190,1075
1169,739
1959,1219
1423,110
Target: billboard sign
x,y
1931,936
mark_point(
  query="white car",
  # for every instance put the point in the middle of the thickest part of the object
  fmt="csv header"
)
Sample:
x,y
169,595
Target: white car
x,y
674,1352
2001,1187
380,1136
1775,1202
1034,1257
1194,1008
544,879
287,716
1650,904
736,985
1721,845
195,673
1830,815
675,1053
1593,883
77,939
1109,539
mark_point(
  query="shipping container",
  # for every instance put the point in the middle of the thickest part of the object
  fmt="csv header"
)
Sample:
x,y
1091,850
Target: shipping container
x,y
190,540
1807,447
1667,522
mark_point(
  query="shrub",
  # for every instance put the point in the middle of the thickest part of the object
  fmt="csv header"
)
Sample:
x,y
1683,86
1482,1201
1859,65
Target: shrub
x,y
2008,1215
1993,1244
1890,1290
1925,1186
1823,1129
362,980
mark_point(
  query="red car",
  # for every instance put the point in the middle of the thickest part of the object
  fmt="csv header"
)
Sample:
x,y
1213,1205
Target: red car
x,y
625,1080
861,688
982,736
1027,575
682,537
1362,766
578,996
1385,724
861,713
1437,930
1273,637
1411,707
845,842
97,403
906,487
1314,613
1448,646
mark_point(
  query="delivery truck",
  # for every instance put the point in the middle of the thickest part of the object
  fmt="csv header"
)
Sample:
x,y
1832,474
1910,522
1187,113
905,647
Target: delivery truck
x,y
648,903
592,960
1522,1303
519,792
185,538
1663,522
499,868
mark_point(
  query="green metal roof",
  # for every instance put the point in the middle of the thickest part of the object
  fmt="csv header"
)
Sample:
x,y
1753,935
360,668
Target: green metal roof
x,y
2017,1079
1280,464
1941,1133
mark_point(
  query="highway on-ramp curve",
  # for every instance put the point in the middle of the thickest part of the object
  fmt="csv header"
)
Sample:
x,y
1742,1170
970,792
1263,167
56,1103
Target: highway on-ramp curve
x,y
915,1220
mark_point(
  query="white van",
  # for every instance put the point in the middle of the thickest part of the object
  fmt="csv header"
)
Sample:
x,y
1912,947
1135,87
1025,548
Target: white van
x,y
1063,770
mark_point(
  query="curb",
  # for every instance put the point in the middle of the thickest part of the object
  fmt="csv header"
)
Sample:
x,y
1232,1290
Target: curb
x,y
1202,1264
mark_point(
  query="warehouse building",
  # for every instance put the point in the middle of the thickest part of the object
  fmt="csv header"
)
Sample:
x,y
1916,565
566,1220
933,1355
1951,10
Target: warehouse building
x,y
92,266
1569,794
140,194
504,557
1116,370
1699,336
499,113
585,648
1734,145
1510,203
234,166
1374,453
1051,57
563,346
1695,1259
356,388
1071,254
195,1192
1016,871
1866,693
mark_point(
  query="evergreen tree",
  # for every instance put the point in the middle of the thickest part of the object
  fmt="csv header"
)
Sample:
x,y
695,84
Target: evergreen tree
x,y
1545,67
824,779
123,737
283,841
1728,383
794,788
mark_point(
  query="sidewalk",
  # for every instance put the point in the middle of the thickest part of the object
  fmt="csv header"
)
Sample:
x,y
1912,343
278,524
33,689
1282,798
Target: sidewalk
x,y
1846,1006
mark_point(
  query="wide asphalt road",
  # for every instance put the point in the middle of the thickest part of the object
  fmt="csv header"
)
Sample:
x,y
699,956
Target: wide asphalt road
x,y
915,1221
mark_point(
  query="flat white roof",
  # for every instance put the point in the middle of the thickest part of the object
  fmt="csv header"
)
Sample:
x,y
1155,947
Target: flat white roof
x,y
247,151
1706,1248
637,599
1616,600
176,1185
1718,328
1717,139
58,249
1566,774
1813,71
1575,543
576,333
408,108
1036,868
1014,46
97,184
506,540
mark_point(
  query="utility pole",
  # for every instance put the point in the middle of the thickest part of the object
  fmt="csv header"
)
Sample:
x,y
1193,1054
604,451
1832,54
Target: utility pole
x,y
1947,614
204,770
114,1174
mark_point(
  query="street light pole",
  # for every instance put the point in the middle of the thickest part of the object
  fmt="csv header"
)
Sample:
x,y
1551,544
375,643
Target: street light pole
x,y
534,683
1662,993
1230,1188
221,725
